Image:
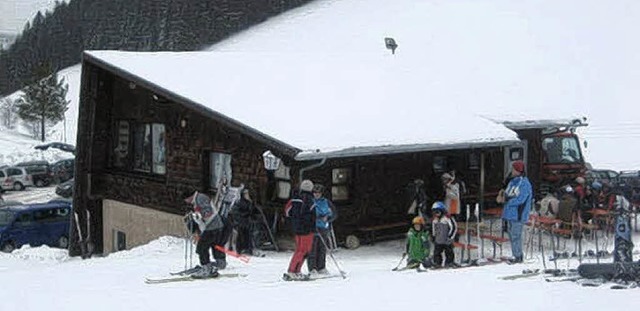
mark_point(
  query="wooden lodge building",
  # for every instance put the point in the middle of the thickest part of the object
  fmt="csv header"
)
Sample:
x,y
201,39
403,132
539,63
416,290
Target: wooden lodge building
x,y
146,141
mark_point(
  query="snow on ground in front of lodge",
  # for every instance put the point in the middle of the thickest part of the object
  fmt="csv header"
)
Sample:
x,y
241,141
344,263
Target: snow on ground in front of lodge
x,y
47,279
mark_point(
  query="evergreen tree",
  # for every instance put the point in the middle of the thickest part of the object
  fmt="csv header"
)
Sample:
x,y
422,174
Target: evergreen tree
x,y
8,112
44,101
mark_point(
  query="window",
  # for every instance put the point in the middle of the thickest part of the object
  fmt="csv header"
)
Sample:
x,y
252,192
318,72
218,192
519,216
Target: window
x,y
516,154
220,166
340,188
1,174
24,219
283,181
14,172
119,241
439,164
121,149
473,161
562,149
140,147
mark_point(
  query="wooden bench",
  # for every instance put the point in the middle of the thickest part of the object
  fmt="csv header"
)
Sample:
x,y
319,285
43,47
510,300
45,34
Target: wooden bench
x,y
495,240
370,232
464,246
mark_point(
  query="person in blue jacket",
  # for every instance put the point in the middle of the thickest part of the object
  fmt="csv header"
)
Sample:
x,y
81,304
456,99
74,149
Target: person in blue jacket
x,y
325,214
516,208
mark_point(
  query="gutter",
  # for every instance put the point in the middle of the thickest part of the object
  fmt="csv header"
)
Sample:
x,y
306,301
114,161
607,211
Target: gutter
x,y
310,167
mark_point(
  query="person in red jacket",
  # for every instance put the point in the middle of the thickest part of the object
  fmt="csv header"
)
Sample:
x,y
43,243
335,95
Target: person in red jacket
x,y
301,213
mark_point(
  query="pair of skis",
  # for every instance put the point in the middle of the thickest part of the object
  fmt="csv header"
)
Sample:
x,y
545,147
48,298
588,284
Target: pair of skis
x,y
86,246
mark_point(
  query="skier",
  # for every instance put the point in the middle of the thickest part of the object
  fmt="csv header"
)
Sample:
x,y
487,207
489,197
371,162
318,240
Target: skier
x,y
419,202
302,217
418,244
452,195
516,208
316,262
208,227
241,219
444,231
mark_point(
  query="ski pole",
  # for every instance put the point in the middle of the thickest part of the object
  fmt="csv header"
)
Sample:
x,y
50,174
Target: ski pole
x,y
342,273
399,263
476,212
231,253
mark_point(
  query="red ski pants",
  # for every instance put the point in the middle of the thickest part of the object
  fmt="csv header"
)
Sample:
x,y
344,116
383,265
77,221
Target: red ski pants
x,y
303,247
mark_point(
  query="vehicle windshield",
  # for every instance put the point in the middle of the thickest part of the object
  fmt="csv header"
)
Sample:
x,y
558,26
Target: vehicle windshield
x,y
562,149
5,217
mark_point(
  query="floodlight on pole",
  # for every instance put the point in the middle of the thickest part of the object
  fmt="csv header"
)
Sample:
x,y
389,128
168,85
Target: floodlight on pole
x,y
391,44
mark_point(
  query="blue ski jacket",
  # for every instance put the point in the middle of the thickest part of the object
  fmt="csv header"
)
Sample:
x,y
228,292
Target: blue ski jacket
x,y
323,209
518,195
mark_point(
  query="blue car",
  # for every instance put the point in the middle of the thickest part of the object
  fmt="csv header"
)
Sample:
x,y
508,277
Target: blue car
x,y
35,224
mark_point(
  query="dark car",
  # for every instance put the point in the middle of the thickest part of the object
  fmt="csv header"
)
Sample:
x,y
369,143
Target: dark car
x,y
35,224
62,170
39,171
603,176
65,189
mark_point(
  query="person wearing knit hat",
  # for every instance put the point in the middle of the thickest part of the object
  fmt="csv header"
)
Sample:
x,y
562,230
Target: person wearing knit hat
x,y
518,166
306,185
301,212
516,210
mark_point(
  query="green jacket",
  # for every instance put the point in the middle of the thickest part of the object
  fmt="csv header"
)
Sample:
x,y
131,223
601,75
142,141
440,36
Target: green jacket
x,y
418,246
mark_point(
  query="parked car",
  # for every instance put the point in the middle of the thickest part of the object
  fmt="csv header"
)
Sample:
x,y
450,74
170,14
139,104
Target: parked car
x,y
35,224
65,189
39,171
630,178
603,176
63,170
15,178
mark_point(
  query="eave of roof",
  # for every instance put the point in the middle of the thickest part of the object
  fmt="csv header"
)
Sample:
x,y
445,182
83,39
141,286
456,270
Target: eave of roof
x,y
396,149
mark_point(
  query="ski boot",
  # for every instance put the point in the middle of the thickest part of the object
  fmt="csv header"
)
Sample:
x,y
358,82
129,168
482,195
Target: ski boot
x,y
221,263
293,276
208,271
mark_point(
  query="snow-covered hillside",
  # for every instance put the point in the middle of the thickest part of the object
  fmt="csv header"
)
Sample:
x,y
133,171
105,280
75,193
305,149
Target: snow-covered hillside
x,y
14,14
496,58
17,145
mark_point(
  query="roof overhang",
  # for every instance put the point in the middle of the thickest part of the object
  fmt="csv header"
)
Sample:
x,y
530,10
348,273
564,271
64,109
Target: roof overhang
x,y
397,149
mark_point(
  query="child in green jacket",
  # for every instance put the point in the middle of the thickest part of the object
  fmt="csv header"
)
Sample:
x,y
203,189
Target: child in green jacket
x,y
418,247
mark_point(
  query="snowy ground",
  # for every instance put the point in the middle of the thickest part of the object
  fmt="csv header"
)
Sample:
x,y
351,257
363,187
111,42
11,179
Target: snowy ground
x,y
44,278
32,195
47,279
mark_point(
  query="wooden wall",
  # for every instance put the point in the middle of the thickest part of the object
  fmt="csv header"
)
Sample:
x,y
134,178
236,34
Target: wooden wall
x,y
381,191
187,150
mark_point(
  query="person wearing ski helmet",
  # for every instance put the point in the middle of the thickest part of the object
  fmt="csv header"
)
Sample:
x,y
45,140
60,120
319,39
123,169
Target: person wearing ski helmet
x,y
516,210
444,229
207,227
324,208
418,246
302,217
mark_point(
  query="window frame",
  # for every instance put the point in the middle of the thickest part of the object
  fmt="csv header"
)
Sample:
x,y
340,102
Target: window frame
x,y
341,183
127,162
210,173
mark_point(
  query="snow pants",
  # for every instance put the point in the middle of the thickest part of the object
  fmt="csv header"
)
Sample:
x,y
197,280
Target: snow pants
x,y
208,240
447,249
318,257
303,247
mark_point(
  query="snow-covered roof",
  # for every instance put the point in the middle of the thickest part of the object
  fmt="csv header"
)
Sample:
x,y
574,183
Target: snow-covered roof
x,y
320,101
516,123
